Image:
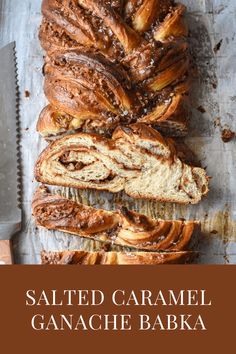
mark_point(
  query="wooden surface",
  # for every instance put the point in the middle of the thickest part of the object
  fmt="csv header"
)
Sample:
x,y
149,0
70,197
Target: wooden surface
x,y
5,253
211,22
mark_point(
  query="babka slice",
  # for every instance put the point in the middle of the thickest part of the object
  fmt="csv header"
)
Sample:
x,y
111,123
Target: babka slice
x,y
137,160
115,258
122,227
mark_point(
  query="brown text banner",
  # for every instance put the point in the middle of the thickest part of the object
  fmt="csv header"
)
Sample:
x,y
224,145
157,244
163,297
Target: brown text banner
x,y
126,309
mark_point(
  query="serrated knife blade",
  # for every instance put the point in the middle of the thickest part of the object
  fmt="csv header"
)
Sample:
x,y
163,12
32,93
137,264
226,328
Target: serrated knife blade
x,y
10,213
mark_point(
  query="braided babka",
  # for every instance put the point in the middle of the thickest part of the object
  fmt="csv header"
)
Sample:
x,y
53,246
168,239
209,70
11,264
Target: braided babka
x,y
115,258
122,227
112,62
137,160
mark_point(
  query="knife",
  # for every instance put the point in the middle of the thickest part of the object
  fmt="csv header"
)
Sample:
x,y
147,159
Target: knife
x,y
10,213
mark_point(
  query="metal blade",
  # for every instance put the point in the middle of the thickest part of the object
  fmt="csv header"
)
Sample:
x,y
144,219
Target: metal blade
x,y
10,213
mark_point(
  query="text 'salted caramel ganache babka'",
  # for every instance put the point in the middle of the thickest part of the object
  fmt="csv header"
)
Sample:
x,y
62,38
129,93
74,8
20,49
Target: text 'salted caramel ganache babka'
x,y
137,160
78,257
111,62
122,227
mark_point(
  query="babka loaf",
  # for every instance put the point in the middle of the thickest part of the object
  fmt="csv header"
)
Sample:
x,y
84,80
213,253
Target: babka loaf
x,y
122,227
115,258
114,62
137,160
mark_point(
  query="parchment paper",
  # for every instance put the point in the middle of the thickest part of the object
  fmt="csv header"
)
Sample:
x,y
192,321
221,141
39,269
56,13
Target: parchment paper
x,y
213,43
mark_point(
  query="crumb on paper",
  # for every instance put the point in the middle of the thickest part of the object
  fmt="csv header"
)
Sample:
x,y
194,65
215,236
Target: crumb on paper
x,y
201,109
218,46
27,94
227,135
217,122
214,85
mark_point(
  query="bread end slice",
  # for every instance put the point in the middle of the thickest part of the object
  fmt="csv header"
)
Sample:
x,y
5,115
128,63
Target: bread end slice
x,y
78,257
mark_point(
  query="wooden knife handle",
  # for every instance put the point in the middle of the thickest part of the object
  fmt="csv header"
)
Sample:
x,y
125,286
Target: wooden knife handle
x,y
5,253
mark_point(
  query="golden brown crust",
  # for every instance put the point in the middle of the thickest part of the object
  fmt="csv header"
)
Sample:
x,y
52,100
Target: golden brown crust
x,y
115,258
115,62
122,227
88,87
52,122
137,160
173,25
